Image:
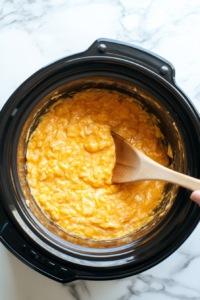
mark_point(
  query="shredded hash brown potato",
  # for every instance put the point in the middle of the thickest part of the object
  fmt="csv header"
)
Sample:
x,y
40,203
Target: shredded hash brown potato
x,y
71,156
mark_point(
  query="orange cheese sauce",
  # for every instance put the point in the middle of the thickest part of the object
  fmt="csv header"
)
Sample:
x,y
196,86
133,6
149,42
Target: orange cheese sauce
x,y
71,156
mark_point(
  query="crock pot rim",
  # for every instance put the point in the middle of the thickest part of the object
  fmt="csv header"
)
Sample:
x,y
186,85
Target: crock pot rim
x,y
112,248
104,58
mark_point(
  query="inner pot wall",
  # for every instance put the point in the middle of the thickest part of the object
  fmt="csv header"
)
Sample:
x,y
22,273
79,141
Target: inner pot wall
x,y
166,124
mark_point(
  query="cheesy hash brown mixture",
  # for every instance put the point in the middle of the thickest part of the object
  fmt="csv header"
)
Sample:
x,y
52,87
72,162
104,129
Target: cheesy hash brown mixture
x,y
71,156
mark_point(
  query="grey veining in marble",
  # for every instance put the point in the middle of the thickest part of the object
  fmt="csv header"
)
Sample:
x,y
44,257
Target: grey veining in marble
x,y
36,32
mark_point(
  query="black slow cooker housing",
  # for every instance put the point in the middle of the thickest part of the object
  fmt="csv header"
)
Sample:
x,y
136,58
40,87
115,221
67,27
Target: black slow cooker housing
x,y
116,66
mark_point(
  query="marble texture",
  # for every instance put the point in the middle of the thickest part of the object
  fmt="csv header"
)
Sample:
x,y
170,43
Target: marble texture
x,y
34,33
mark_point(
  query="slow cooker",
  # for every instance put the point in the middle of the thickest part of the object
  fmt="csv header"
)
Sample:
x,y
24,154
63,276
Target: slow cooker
x,y
116,66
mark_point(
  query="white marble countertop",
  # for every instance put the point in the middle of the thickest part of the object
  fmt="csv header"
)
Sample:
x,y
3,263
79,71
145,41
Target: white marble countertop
x,y
34,33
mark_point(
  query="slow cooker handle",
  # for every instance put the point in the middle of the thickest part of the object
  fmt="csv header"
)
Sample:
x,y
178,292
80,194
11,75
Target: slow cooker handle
x,y
141,57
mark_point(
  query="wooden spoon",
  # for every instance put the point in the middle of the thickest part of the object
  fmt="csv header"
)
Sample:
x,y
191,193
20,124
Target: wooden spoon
x,y
133,165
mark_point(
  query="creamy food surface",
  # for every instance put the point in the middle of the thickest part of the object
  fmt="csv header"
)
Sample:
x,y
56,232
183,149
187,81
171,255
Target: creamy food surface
x,y
71,156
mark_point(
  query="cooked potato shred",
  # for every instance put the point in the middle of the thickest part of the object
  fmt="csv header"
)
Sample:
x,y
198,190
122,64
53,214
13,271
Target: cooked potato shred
x,y
71,156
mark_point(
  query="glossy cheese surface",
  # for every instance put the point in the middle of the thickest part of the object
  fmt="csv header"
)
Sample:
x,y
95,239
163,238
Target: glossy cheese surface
x,y
71,156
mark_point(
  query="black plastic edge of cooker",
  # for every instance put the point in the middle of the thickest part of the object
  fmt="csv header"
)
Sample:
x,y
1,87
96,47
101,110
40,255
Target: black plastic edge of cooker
x,y
135,53
30,255
69,275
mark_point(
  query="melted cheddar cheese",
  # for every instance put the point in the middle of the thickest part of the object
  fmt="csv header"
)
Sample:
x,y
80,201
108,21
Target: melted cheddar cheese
x,y
71,156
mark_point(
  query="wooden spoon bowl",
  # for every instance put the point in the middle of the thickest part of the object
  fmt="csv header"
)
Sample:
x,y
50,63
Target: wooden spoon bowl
x,y
133,165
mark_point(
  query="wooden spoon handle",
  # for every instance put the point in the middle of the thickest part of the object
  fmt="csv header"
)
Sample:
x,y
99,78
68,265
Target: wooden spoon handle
x,y
164,174
184,180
